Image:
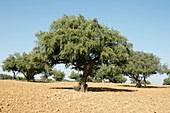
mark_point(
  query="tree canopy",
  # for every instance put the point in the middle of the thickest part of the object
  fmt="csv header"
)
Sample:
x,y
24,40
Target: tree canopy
x,y
58,75
141,65
83,43
28,65
10,65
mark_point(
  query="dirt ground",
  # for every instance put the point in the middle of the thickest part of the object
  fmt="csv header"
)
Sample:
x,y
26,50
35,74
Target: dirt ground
x,y
25,97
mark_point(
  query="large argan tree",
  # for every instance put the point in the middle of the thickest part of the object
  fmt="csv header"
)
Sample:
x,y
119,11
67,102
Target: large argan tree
x,y
83,43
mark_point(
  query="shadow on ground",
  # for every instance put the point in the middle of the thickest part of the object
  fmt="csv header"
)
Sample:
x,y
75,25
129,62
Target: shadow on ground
x,y
146,86
99,89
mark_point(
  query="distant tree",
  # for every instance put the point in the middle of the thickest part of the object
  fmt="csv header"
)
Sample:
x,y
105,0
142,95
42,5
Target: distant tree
x,y
43,58
83,44
21,78
133,81
133,68
104,72
150,64
58,75
5,76
75,76
167,81
118,79
141,65
10,65
111,72
28,65
89,79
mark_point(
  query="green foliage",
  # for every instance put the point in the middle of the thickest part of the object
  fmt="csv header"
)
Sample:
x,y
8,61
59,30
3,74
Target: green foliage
x,y
5,76
10,64
75,76
118,79
89,79
133,81
58,75
104,72
166,81
20,78
83,44
97,80
142,65
43,78
28,65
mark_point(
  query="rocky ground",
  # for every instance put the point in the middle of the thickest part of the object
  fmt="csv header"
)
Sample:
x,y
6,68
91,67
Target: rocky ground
x,y
25,97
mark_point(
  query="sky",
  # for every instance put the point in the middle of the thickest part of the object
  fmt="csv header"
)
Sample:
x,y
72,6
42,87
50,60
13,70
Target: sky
x,y
145,23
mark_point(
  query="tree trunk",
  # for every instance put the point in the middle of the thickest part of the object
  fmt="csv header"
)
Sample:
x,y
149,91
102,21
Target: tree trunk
x,y
138,84
14,76
46,77
28,77
102,80
144,80
82,83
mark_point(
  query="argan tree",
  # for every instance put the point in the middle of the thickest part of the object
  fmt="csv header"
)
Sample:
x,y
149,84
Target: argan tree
x,y
83,43
141,65
75,76
133,68
28,65
58,75
150,64
10,65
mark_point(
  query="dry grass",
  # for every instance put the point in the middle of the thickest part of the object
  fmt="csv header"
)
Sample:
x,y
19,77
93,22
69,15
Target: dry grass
x,y
24,97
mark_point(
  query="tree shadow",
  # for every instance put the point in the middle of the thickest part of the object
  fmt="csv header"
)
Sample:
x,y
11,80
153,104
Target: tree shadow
x,y
99,89
146,86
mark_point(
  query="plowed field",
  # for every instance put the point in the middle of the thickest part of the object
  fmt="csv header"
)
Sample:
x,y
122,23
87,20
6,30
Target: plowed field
x,y
29,97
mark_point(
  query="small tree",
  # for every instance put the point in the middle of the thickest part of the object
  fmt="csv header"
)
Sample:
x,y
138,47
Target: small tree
x,y
150,64
5,76
118,79
133,68
10,65
104,72
75,76
167,81
133,81
28,65
58,75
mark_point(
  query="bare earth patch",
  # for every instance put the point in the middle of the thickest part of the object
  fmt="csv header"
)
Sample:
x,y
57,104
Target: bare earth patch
x,y
24,97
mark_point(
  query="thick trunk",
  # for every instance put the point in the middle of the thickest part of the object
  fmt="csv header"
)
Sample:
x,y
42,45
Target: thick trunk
x,y
14,76
28,76
144,80
46,77
138,84
82,83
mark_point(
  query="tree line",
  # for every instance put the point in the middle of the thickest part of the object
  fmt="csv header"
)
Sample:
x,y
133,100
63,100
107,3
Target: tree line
x,y
87,46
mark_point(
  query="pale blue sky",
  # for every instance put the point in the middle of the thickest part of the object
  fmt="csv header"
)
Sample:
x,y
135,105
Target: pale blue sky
x,y
146,23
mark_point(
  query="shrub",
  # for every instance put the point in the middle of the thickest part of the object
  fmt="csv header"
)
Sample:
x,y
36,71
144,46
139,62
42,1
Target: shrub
x,y
21,78
133,81
58,75
118,79
5,76
166,81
